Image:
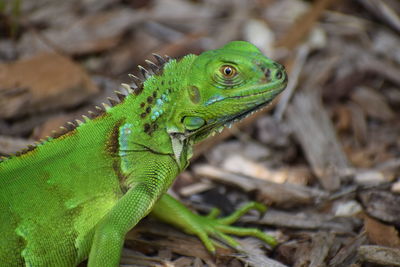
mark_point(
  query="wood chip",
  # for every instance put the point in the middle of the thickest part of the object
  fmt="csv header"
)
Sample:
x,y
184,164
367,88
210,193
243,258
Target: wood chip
x,y
195,188
285,195
385,10
44,82
321,244
347,255
381,234
255,256
313,128
163,236
183,262
238,164
309,221
396,187
370,177
347,208
373,103
358,123
92,33
382,205
380,255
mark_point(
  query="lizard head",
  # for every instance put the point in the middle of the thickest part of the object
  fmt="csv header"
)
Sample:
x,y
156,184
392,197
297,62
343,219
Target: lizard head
x,y
224,86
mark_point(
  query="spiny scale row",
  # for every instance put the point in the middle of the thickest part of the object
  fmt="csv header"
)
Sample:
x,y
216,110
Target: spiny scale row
x,y
136,85
156,69
134,88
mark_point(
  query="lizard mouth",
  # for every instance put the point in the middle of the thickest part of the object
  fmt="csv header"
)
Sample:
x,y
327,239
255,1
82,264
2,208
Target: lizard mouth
x,y
259,103
269,96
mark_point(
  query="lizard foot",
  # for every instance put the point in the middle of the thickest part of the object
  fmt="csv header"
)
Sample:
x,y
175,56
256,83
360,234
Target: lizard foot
x,y
210,226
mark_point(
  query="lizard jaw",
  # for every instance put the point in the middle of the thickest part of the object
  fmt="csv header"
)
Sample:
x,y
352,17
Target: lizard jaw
x,y
228,121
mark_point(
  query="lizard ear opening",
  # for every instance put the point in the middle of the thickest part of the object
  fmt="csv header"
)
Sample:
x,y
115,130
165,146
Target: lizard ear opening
x,y
193,123
194,94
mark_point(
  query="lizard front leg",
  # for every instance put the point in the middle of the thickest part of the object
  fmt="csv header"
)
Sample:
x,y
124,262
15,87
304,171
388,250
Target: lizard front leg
x,y
148,185
171,211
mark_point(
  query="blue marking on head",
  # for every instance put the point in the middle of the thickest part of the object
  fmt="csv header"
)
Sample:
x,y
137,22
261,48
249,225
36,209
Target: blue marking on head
x,y
214,99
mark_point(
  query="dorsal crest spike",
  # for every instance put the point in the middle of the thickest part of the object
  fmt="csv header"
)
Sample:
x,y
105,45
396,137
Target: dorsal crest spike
x,y
124,87
133,86
120,95
63,128
168,58
132,76
136,80
145,73
56,134
161,61
31,147
85,118
98,111
70,126
112,101
79,122
152,66
128,88
106,106
91,114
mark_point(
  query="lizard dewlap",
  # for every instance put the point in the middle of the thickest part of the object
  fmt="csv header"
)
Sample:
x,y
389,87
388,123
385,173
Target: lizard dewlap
x,y
75,196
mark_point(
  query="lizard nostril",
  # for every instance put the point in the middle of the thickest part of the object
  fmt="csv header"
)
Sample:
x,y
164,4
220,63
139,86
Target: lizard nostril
x,y
267,74
279,74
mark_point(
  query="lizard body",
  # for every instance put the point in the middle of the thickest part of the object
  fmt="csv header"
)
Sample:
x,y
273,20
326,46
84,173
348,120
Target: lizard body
x,y
76,195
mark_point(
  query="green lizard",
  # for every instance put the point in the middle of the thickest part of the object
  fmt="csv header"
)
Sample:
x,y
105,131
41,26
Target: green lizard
x,y
75,196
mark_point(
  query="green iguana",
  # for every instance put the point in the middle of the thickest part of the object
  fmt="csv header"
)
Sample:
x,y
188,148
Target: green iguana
x,y
75,196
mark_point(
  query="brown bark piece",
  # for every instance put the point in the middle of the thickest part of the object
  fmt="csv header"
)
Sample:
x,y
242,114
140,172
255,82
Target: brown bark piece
x,y
285,195
308,220
380,255
130,257
381,234
176,241
382,205
373,103
183,261
321,243
315,132
254,254
93,33
44,82
385,10
358,123
309,249
347,255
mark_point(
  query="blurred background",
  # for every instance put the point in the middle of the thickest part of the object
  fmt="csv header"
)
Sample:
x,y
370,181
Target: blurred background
x,y
325,156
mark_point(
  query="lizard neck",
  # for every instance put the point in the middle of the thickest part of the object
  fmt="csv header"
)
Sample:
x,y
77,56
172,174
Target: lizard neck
x,y
145,118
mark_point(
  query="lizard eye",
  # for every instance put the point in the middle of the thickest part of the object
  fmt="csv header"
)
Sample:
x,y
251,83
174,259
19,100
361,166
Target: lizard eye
x,y
228,71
